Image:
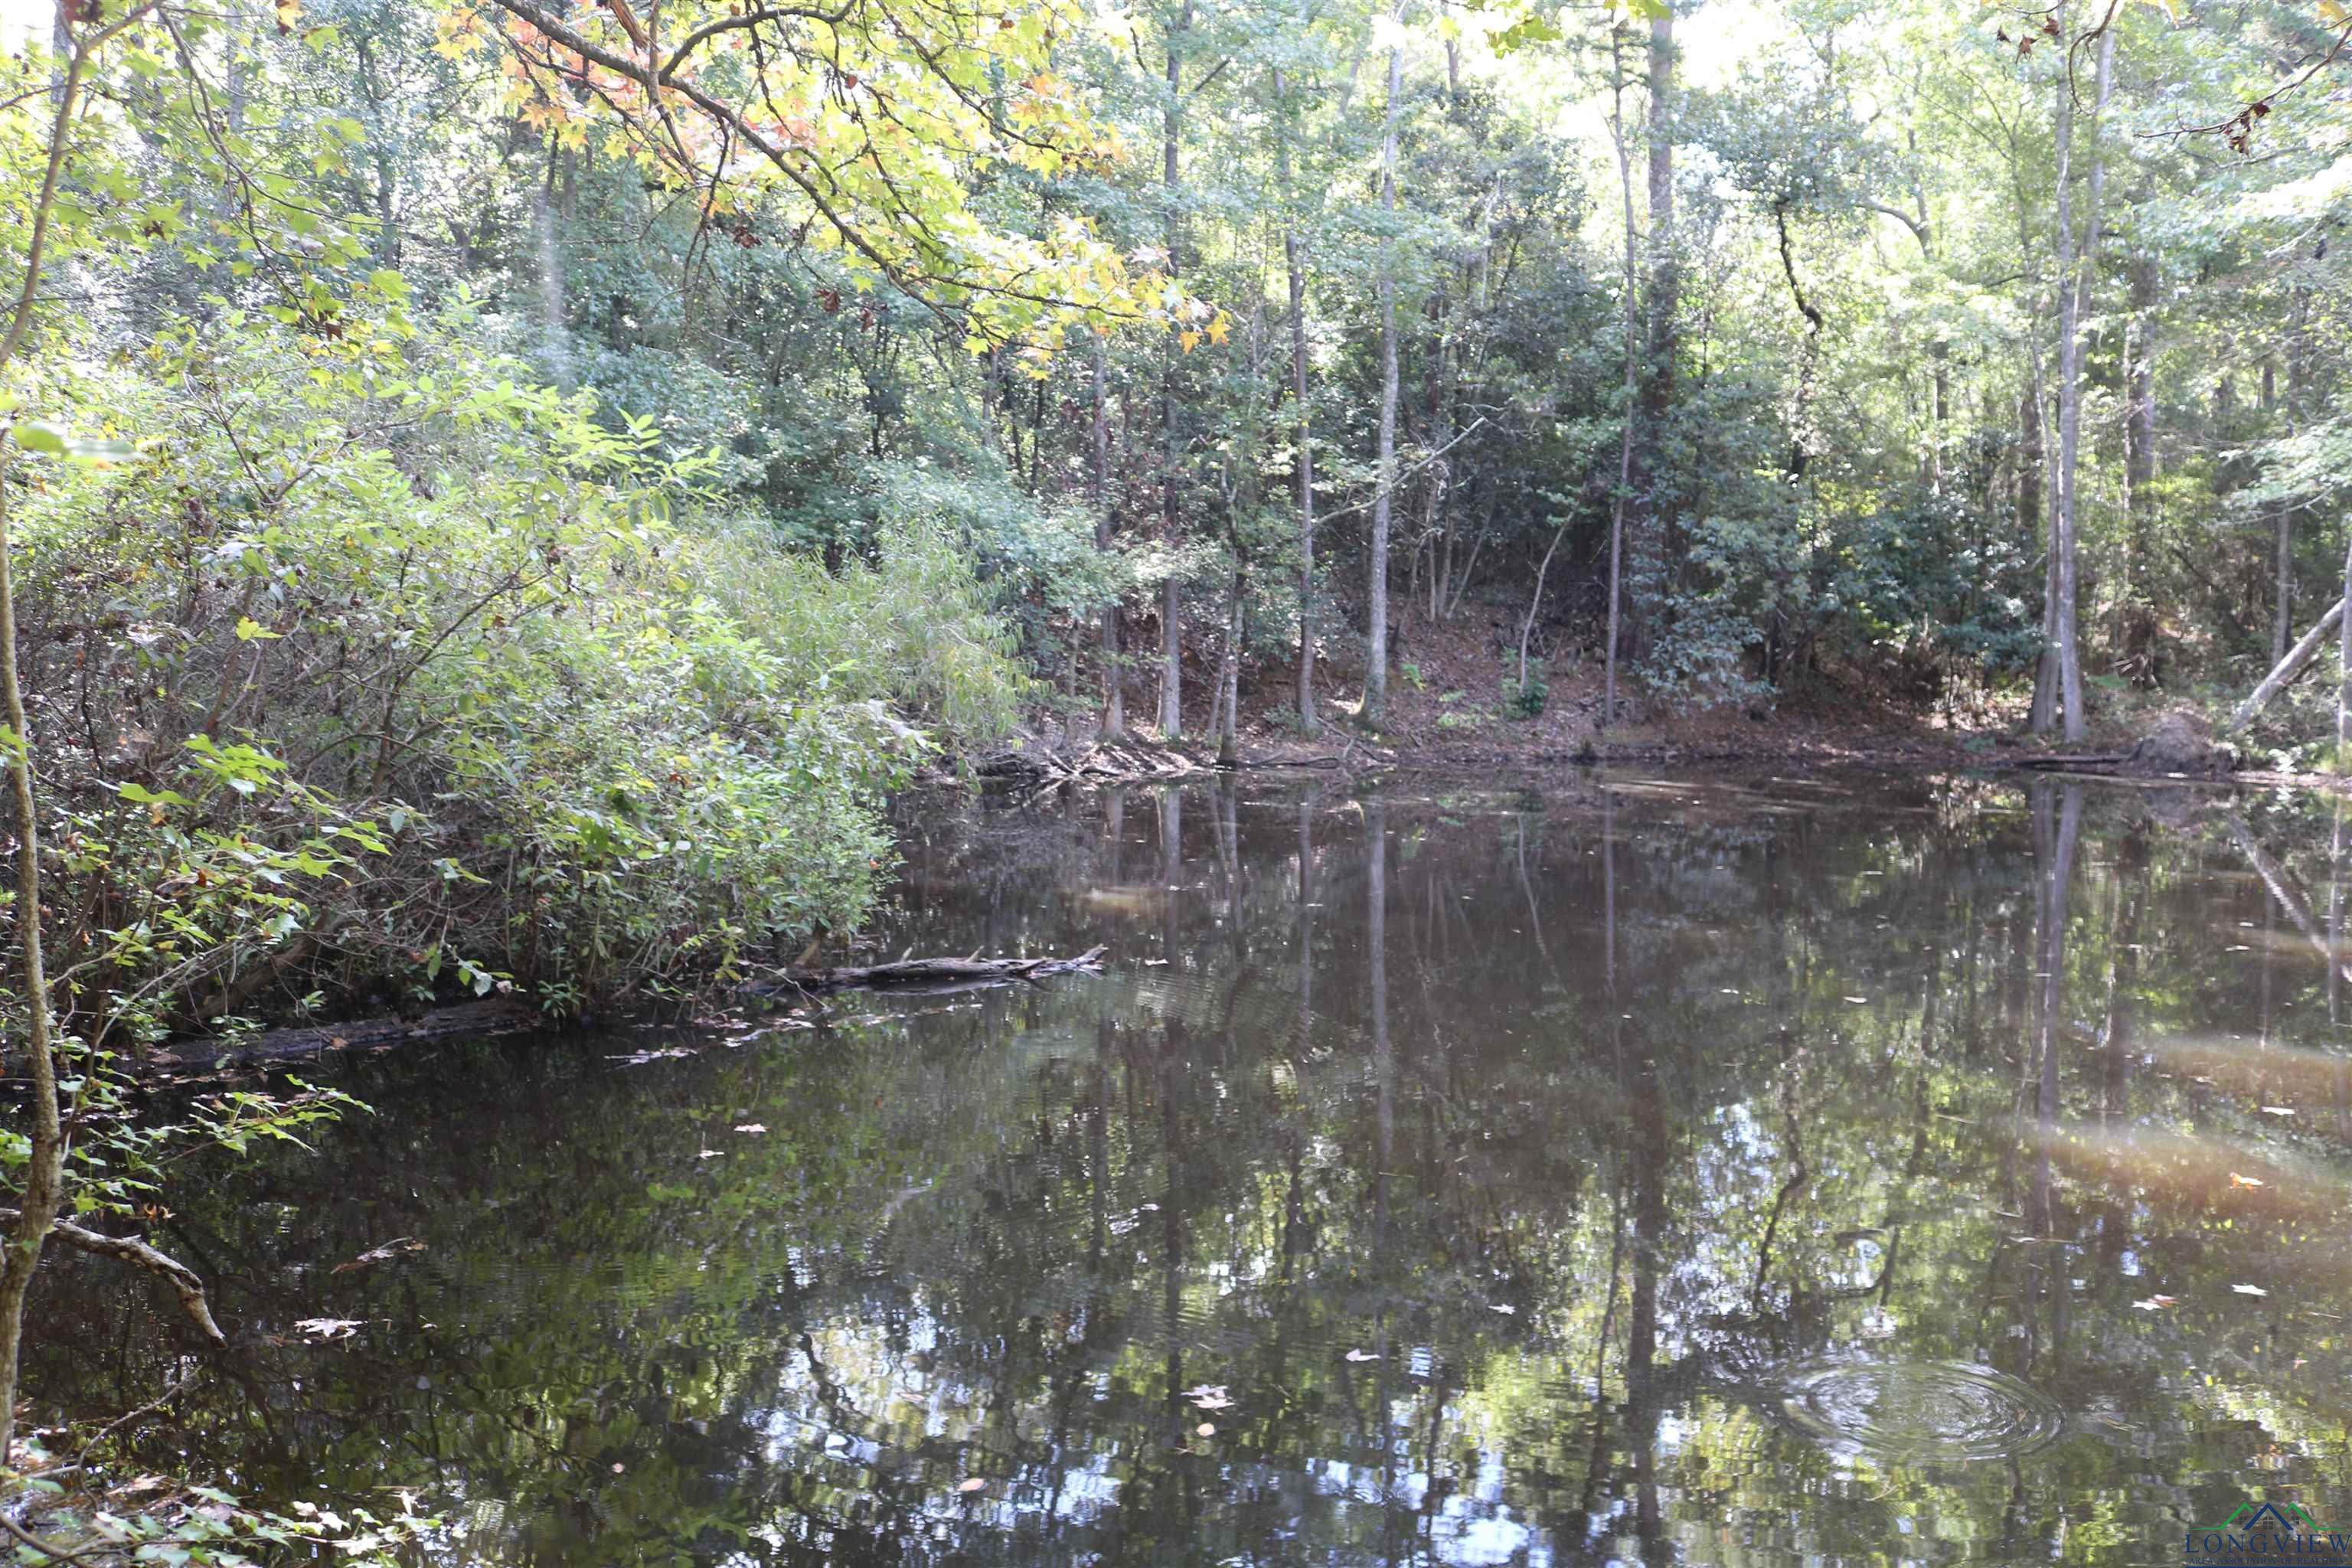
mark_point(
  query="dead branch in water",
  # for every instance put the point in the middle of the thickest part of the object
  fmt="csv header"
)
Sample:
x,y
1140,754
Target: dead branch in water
x,y
904,971
130,1250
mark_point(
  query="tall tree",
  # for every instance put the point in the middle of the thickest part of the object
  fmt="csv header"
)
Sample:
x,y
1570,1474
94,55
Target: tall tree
x,y
2075,256
1171,591
1376,649
1302,413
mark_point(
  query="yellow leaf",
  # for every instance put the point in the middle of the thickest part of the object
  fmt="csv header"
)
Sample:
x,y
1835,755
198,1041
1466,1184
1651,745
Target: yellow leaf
x,y
1189,339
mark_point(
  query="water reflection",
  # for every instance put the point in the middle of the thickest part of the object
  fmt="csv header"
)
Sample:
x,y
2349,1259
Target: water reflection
x,y
1771,1173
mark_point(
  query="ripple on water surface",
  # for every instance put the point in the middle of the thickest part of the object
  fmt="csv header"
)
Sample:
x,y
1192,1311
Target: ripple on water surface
x,y
1920,1409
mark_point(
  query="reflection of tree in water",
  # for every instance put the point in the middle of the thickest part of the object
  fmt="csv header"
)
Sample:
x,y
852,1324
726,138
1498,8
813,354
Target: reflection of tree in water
x,y
1573,1121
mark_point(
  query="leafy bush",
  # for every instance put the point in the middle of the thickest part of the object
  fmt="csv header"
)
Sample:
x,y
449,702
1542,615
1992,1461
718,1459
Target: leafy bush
x,y
1526,698
377,666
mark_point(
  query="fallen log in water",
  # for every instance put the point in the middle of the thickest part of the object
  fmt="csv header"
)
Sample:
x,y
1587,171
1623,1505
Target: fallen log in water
x,y
1101,763
959,973
499,1015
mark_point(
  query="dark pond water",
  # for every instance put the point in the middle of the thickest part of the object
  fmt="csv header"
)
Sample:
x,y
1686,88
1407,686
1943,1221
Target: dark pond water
x,y
1783,1171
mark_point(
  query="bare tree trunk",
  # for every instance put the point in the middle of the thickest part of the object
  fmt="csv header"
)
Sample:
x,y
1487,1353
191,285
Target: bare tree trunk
x,y
1664,303
1172,600
1229,679
1114,718
1632,391
2344,667
1293,261
1171,660
44,1190
2283,621
2075,278
1375,651
2136,633
2040,513
2286,669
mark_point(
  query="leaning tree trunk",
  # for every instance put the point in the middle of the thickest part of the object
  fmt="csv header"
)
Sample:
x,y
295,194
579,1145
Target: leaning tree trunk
x,y
2288,668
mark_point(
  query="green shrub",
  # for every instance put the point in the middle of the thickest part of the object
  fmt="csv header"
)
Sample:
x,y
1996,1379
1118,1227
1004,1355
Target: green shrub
x,y
476,693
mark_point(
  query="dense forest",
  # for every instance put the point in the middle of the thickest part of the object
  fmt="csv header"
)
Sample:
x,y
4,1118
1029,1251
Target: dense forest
x,y
505,492
501,492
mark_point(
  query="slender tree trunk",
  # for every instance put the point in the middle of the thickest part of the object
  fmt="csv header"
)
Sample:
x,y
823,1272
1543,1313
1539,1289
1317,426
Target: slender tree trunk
x,y
1114,720
2136,634
1229,679
1293,262
2344,668
45,1166
1376,653
1664,304
44,1178
2074,263
1171,598
1630,413
2283,621
2037,511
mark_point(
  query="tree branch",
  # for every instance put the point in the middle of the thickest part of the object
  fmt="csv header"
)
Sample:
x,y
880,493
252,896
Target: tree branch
x,y
130,1250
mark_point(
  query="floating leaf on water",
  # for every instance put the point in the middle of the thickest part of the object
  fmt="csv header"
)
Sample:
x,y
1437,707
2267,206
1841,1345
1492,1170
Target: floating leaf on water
x,y
2154,1303
383,1253
330,1328
972,1484
750,1127
1204,1430
1503,1307
618,1466
2249,1289
2238,1181
2278,1110
1858,1001
1361,1355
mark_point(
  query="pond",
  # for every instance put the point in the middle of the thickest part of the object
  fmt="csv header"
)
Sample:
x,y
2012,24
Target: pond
x,y
1778,1170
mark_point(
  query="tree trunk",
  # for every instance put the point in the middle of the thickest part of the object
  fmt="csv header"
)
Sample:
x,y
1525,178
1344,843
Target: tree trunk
x,y
43,1179
1229,679
2136,634
1171,660
2286,669
1172,600
1114,718
1293,261
1632,396
1375,651
2037,516
2344,669
1664,303
2074,278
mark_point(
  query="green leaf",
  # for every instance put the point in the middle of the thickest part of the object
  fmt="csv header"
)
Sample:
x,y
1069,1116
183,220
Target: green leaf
x,y
36,436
